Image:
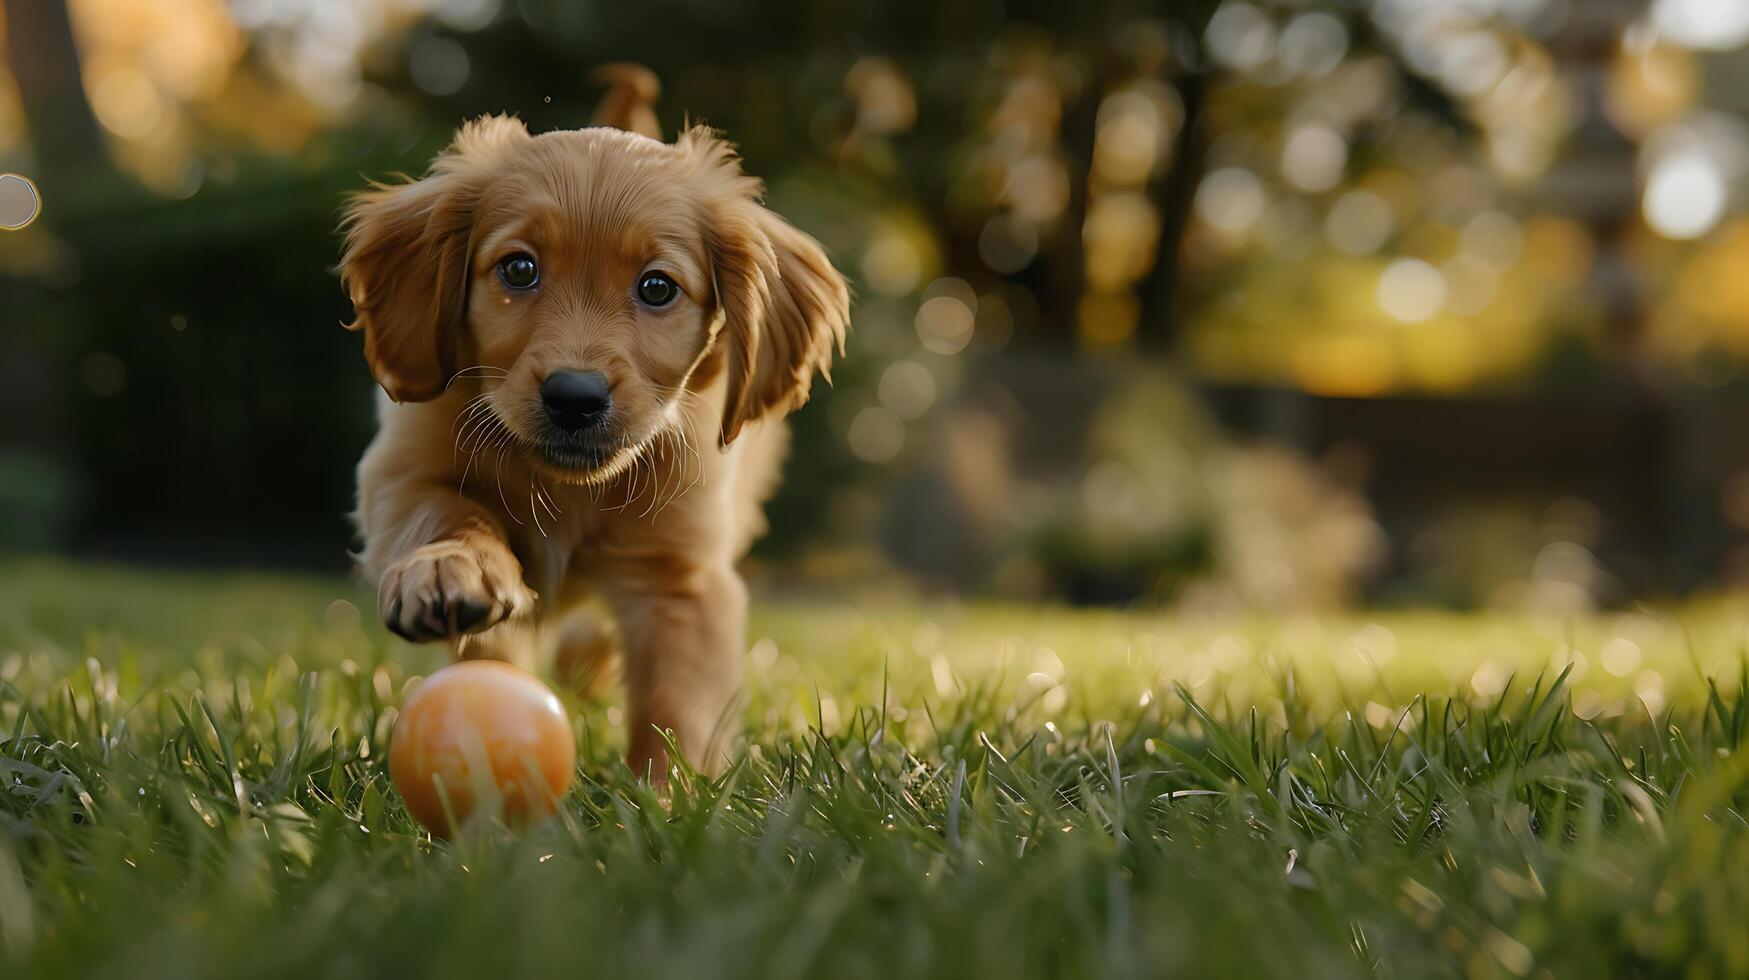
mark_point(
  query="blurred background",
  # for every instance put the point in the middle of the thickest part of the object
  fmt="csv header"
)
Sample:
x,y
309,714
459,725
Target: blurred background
x,y
1205,305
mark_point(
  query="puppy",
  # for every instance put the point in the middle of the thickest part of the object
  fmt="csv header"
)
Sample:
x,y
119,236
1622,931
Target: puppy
x,y
587,340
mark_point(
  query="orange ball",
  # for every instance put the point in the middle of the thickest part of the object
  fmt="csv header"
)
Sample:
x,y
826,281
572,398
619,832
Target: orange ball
x,y
481,740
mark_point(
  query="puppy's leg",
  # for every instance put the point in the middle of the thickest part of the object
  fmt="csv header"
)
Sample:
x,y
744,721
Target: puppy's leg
x,y
683,627
584,644
443,567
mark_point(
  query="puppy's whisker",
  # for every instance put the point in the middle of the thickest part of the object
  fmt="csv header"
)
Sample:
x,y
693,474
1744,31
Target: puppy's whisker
x,y
541,495
697,460
655,483
628,459
501,442
674,473
473,454
658,482
498,475
476,428
471,406
671,479
484,371
628,486
697,475
477,399
635,473
680,441
647,457
676,436
547,496
463,486
468,414
697,470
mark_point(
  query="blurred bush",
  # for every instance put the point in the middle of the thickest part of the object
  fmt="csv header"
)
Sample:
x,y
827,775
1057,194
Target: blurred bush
x,y
1112,484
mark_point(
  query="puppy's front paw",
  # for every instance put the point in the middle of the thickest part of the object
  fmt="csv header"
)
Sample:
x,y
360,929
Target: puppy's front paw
x,y
451,588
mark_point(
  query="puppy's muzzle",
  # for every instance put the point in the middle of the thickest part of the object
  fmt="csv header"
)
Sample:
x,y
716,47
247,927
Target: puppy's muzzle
x,y
575,401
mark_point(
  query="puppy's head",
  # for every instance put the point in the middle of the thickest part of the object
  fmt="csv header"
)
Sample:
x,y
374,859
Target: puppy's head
x,y
589,280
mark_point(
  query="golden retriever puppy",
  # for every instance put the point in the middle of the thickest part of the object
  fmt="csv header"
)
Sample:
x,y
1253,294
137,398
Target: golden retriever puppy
x,y
587,340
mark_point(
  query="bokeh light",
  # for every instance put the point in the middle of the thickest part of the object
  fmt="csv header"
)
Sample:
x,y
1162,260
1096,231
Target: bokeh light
x,y
1314,157
438,65
1685,195
1231,200
945,321
1359,223
876,435
1411,290
907,389
1712,24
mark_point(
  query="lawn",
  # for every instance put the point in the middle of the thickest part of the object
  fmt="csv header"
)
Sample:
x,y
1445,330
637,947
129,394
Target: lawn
x,y
193,783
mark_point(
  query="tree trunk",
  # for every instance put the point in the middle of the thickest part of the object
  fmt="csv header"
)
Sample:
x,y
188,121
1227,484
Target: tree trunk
x,y
44,59
1161,305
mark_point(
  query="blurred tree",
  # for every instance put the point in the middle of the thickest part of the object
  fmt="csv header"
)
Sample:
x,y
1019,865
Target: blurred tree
x,y
1316,199
44,59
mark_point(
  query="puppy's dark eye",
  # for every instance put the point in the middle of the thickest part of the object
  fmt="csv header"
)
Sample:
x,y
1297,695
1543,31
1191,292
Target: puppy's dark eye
x,y
656,289
519,271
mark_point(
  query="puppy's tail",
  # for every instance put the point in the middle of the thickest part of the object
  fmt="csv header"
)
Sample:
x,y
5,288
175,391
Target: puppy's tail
x,y
630,102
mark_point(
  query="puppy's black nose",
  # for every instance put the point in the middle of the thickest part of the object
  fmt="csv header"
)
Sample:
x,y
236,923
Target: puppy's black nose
x,y
575,400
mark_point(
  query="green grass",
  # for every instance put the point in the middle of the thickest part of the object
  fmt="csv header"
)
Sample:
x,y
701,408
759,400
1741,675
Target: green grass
x,y
193,783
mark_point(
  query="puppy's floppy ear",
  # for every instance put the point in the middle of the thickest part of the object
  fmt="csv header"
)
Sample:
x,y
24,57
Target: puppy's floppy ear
x,y
785,309
406,260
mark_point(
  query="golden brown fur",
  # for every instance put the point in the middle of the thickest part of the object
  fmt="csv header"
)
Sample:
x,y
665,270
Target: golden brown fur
x,y
475,532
